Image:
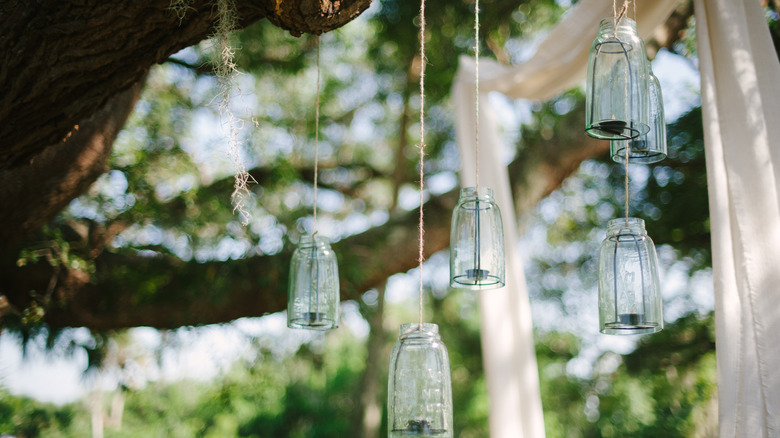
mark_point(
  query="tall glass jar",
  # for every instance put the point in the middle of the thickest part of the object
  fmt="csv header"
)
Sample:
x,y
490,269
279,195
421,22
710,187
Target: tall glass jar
x,y
651,147
419,388
477,241
630,299
313,293
616,85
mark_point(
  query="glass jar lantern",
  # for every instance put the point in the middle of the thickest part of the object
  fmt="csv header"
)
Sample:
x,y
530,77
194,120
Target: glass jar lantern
x,y
419,388
651,147
616,95
629,285
477,241
313,293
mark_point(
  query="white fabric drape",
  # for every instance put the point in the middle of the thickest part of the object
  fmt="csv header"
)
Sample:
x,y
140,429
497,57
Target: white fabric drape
x,y
740,76
507,333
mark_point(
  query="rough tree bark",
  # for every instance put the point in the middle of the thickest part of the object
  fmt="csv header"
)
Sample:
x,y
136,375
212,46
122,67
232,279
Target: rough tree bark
x,y
63,61
72,71
62,171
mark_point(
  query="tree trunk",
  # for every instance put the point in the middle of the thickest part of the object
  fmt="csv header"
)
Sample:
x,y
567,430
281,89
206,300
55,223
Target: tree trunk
x,y
117,409
96,413
63,61
31,195
368,419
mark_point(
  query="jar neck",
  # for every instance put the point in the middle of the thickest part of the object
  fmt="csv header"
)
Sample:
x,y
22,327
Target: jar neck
x,y
309,241
482,193
612,24
631,225
415,331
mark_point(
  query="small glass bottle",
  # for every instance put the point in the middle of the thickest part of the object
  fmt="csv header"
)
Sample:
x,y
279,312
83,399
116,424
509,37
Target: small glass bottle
x,y
477,241
630,299
651,147
616,85
419,388
313,293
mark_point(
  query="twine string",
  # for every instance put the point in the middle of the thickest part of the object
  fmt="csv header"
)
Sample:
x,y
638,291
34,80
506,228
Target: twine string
x,y
476,89
618,14
316,136
627,152
420,255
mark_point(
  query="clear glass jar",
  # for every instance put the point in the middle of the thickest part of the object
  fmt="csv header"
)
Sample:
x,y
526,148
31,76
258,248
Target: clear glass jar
x,y
419,388
629,284
313,293
651,147
616,85
477,241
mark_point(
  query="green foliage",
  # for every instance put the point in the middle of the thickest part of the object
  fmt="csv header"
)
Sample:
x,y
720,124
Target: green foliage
x,y
168,193
26,418
666,387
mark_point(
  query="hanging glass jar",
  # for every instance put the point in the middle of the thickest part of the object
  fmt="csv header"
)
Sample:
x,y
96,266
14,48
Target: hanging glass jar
x,y
616,85
477,241
419,388
651,147
629,286
313,293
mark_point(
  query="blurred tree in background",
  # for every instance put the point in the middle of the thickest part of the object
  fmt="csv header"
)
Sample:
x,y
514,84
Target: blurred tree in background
x,y
154,242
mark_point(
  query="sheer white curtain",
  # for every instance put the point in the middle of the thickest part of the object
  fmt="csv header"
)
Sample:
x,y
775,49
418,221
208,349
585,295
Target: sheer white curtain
x,y
507,333
740,76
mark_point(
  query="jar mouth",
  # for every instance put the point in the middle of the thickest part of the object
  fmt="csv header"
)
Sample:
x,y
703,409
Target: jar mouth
x,y
310,240
427,329
622,22
630,224
481,191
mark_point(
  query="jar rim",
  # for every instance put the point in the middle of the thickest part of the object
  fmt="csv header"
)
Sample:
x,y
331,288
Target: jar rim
x,y
428,329
621,22
631,223
313,239
472,191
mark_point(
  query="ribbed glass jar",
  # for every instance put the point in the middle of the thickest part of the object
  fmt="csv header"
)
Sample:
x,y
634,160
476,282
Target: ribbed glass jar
x,y
419,388
477,241
313,293
651,147
630,299
616,85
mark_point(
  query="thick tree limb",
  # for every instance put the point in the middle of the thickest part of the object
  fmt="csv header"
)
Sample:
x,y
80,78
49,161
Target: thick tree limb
x,y
671,31
31,195
62,61
129,290
160,291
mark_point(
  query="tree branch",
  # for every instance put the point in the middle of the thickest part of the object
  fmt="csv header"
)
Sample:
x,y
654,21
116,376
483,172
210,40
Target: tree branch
x,y
129,289
31,195
62,61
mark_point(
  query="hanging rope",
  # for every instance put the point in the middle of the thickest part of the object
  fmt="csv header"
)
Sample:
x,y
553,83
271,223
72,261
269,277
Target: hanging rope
x,y
476,88
618,16
627,152
316,136
623,10
420,255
